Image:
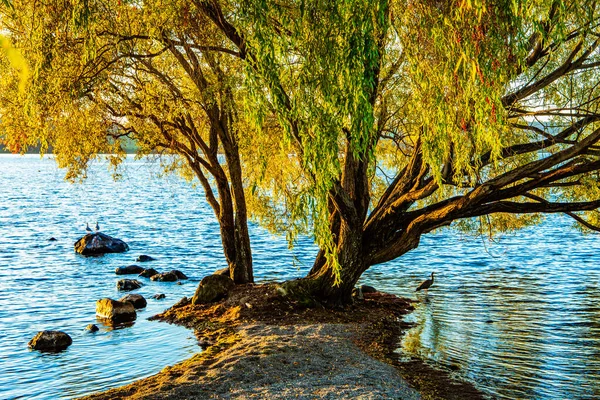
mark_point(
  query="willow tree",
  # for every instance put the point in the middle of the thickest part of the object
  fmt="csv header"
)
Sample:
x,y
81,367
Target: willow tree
x,y
106,74
481,113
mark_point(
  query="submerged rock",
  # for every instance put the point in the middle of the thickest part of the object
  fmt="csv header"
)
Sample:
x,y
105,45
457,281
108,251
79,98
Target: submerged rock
x,y
52,239
212,288
115,311
129,270
179,274
144,258
99,243
52,341
148,273
92,328
159,296
128,284
164,277
137,300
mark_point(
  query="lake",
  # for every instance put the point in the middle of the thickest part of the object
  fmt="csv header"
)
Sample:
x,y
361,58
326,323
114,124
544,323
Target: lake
x,y
520,316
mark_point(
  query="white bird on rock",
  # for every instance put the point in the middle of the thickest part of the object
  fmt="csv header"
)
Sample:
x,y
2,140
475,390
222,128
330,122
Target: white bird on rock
x,y
97,226
87,227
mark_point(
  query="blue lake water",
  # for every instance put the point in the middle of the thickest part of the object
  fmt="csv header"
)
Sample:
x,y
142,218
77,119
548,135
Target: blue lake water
x,y
520,317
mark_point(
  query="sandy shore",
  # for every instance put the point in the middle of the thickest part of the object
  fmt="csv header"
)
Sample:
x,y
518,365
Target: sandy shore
x,y
260,346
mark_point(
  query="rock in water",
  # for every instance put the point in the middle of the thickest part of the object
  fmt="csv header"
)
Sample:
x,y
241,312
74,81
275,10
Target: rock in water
x,y
128,284
164,277
368,289
212,288
53,341
137,300
128,270
148,273
159,296
115,311
144,258
99,243
92,328
52,239
179,274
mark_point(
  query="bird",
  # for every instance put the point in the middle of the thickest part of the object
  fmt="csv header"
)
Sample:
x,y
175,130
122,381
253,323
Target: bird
x,y
426,284
97,226
87,227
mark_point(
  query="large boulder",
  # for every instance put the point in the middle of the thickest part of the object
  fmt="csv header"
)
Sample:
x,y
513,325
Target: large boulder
x,y
51,341
129,270
148,273
128,284
164,277
137,300
212,288
99,243
115,311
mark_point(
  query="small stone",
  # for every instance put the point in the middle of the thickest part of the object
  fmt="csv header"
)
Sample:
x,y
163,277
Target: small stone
x,y
115,311
179,274
128,284
368,289
182,303
148,273
52,239
164,277
223,271
145,258
137,300
52,341
92,328
159,296
129,270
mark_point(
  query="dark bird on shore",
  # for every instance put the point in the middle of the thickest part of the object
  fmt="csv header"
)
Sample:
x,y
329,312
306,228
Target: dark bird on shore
x,y
87,227
97,226
426,284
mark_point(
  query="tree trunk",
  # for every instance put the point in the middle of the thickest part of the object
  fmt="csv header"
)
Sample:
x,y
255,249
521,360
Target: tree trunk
x,y
348,238
242,270
240,265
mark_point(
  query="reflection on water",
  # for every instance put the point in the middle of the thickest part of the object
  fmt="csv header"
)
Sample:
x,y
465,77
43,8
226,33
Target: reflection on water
x,y
45,285
520,318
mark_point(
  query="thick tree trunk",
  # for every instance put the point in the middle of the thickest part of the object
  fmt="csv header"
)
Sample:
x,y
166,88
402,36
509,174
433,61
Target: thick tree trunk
x,y
322,280
242,269
236,243
240,263
329,285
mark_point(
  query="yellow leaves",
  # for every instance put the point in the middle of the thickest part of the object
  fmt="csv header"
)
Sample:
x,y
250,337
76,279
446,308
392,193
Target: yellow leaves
x,y
16,60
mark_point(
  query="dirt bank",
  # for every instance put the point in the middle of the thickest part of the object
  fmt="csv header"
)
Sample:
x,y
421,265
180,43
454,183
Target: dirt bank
x,y
259,344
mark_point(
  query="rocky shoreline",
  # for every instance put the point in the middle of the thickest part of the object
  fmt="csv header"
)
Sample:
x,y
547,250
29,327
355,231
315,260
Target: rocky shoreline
x,y
258,344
